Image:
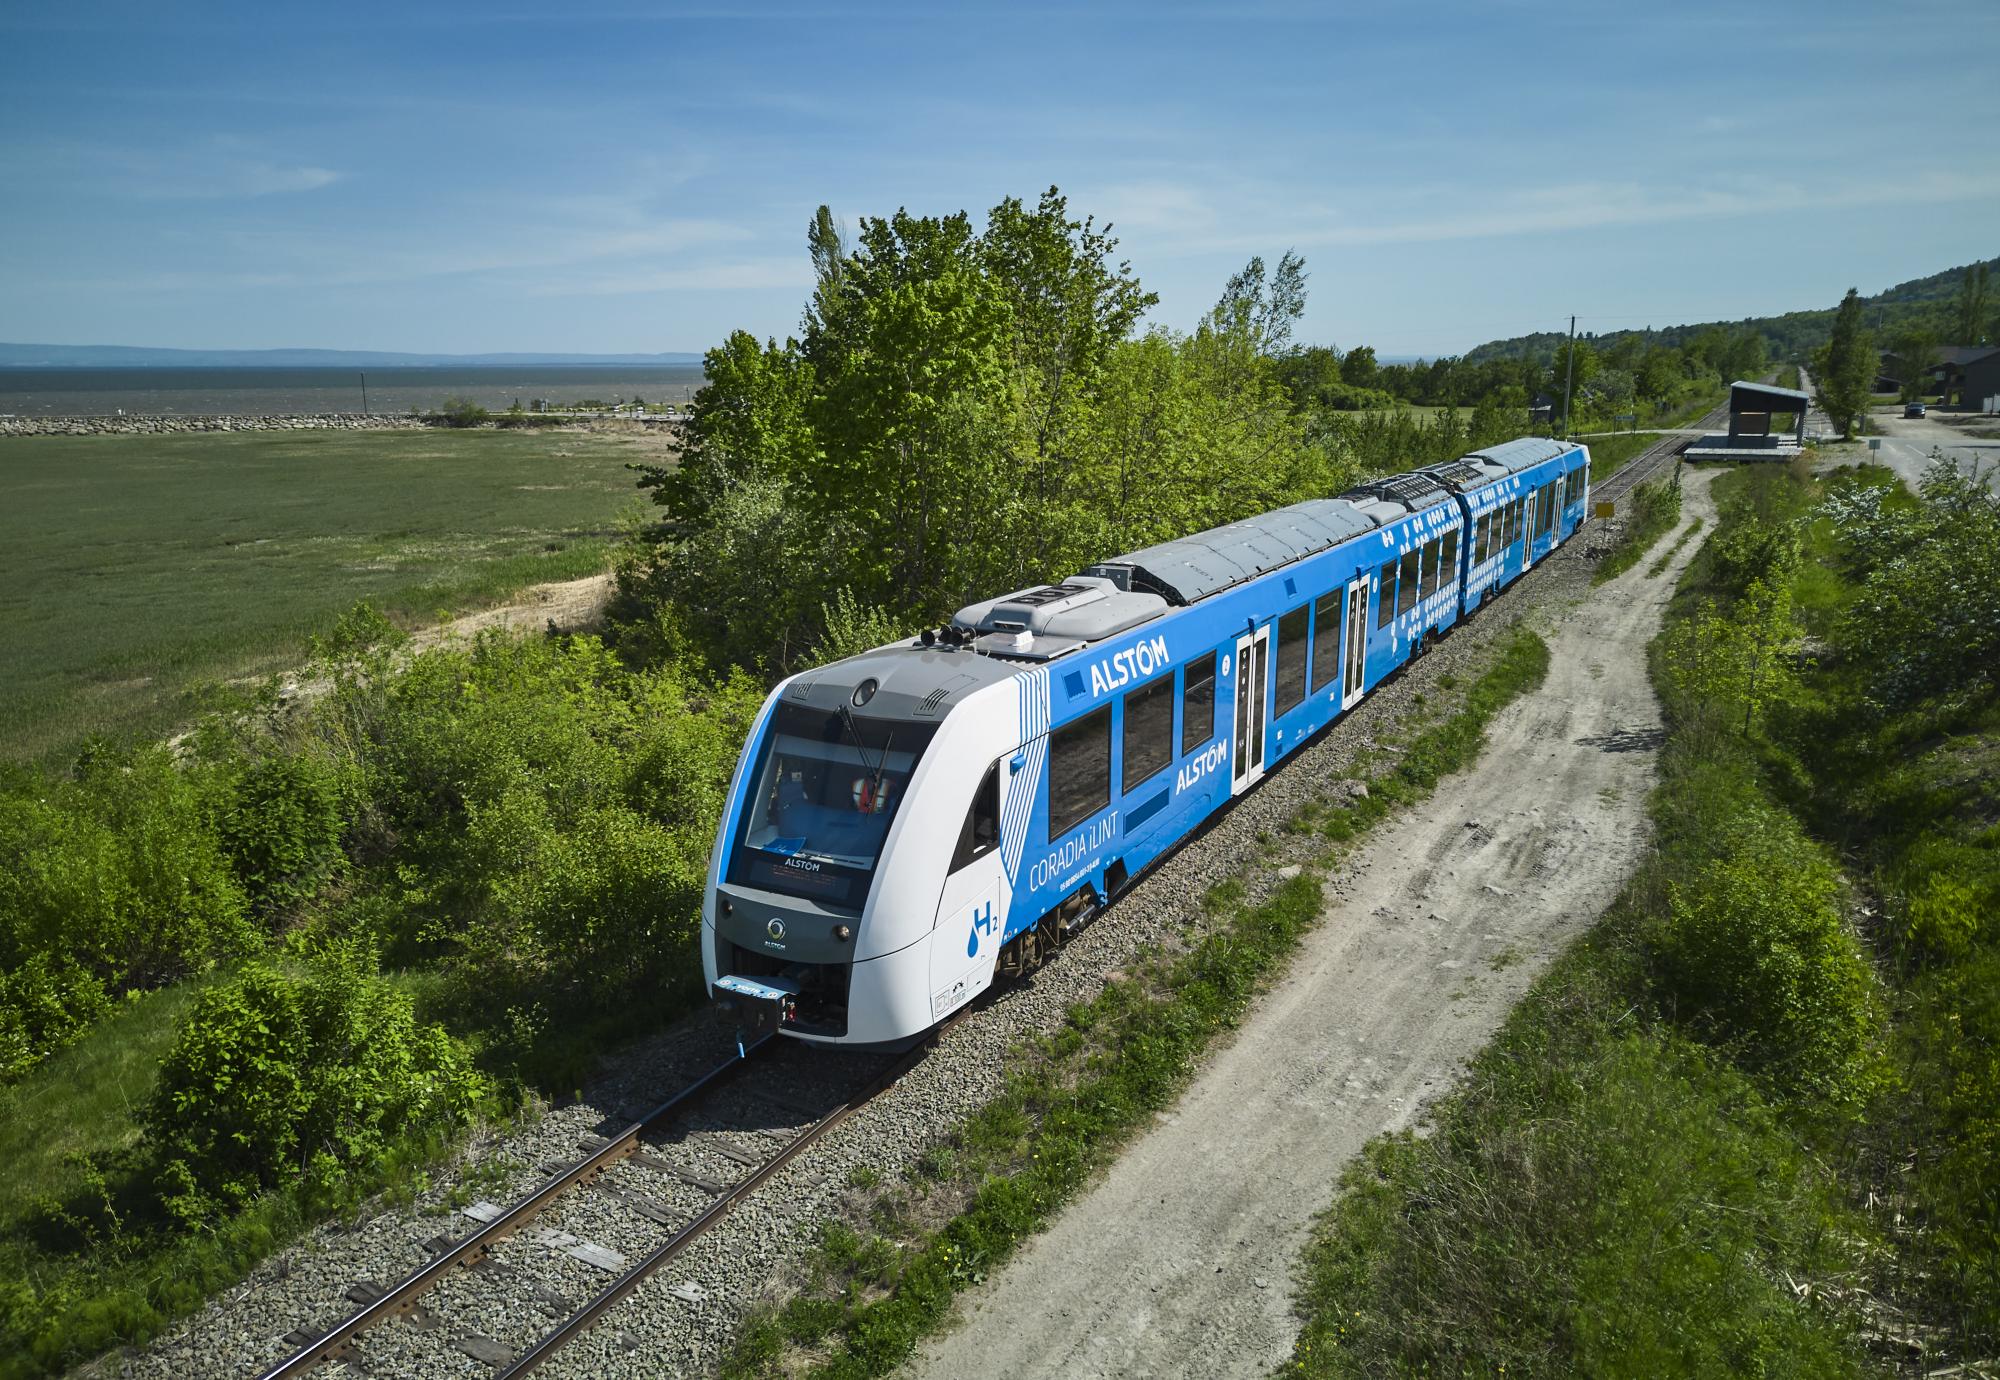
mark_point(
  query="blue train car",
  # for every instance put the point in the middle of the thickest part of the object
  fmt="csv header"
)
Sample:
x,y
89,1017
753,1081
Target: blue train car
x,y
907,823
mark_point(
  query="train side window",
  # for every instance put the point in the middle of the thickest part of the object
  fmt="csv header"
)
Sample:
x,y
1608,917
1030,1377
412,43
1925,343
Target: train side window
x,y
1288,679
1482,537
1450,557
1431,566
1149,729
1326,640
1198,704
1406,595
981,833
1079,771
1385,594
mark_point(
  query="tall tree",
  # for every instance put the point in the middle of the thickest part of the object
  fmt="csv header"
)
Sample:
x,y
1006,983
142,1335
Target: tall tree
x,y
1844,368
1268,310
1915,351
1359,368
1975,297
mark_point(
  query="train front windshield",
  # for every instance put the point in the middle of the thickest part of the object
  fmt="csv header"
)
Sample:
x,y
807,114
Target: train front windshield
x,y
825,790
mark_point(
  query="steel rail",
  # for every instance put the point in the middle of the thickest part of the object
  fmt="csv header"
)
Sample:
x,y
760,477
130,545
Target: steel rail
x,y
339,1341
586,1317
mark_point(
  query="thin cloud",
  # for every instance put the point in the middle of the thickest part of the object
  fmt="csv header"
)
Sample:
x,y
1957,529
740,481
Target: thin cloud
x,y
1555,209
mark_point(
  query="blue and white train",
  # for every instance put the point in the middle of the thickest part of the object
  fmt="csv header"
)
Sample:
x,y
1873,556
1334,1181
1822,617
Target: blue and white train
x,y
907,824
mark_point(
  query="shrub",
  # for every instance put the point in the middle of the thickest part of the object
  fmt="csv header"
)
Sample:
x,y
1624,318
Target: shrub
x,y
282,832
1592,1204
1926,620
460,412
44,1004
1951,1046
852,628
1750,551
1754,954
275,1076
115,878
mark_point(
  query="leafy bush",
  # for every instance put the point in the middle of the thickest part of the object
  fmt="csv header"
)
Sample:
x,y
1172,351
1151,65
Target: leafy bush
x,y
44,1004
1593,1203
275,1077
1926,620
1744,553
115,878
1950,1113
1755,955
282,831
852,628
460,412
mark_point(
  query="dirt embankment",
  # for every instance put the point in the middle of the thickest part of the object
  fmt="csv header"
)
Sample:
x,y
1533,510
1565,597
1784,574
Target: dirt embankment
x,y
1180,1262
565,606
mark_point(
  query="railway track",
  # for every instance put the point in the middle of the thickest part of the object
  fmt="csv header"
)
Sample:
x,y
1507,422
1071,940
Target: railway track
x,y
654,1188
1654,459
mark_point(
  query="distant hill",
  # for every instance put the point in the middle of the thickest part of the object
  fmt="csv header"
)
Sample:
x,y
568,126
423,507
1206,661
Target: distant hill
x,y
1789,337
144,357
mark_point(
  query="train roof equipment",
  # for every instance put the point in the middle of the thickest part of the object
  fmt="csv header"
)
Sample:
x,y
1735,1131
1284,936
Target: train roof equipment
x,y
1043,622
1189,569
1386,500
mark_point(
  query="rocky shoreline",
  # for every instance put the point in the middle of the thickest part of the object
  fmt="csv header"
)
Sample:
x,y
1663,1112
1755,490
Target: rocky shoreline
x,y
166,423
162,424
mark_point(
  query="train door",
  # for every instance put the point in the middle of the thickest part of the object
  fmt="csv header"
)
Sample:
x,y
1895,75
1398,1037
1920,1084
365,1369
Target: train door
x,y
1562,485
1253,661
1356,658
967,937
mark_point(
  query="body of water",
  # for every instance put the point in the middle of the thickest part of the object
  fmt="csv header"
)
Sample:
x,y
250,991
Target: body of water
x,y
287,392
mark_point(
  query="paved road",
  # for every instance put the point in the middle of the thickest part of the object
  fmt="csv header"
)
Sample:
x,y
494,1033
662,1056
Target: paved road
x,y
1908,444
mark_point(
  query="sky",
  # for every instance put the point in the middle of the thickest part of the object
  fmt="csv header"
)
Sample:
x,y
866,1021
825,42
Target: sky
x,y
583,178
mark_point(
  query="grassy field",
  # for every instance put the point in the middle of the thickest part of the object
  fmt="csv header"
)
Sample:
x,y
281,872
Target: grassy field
x,y
135,568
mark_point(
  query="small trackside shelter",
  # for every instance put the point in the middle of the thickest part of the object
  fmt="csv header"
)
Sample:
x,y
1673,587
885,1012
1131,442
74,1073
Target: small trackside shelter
x,y
1751,407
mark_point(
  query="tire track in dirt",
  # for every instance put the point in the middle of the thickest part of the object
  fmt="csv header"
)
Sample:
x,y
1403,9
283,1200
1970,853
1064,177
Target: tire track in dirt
x,y
1180,1261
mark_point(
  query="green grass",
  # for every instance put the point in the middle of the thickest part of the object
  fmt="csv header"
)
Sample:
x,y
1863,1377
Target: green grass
x,y
1601,1198
133,568
83,1100
1073,1101
1666,558
1656,507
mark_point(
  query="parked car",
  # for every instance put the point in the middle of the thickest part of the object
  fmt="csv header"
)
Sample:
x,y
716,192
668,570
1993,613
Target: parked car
x,y
1915,409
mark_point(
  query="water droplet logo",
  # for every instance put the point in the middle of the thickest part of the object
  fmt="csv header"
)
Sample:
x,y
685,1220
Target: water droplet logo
x,y
972,942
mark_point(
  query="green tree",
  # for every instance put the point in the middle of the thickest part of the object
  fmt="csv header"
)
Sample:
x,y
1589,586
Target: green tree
x,y
1578,382
1970,310
1359,368
1844,369
1268,310
1916,353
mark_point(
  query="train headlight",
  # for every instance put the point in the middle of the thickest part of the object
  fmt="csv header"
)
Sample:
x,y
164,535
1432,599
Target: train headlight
x,y
842,933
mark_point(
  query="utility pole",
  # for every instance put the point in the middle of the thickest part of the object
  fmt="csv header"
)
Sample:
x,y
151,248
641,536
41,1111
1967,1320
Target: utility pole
x,y
364,395
1570,376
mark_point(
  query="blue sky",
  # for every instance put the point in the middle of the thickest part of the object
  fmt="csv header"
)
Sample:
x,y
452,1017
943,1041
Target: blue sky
x,y
580,178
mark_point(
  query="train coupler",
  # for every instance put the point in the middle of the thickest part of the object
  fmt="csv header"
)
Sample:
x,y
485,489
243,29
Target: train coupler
x,y
760,1005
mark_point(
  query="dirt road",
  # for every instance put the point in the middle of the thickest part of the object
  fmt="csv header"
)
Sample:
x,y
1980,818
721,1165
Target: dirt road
x,y
1180,1262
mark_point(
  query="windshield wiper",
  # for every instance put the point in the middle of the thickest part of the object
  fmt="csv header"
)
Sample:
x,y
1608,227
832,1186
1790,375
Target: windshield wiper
x,y
854,732
881,761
